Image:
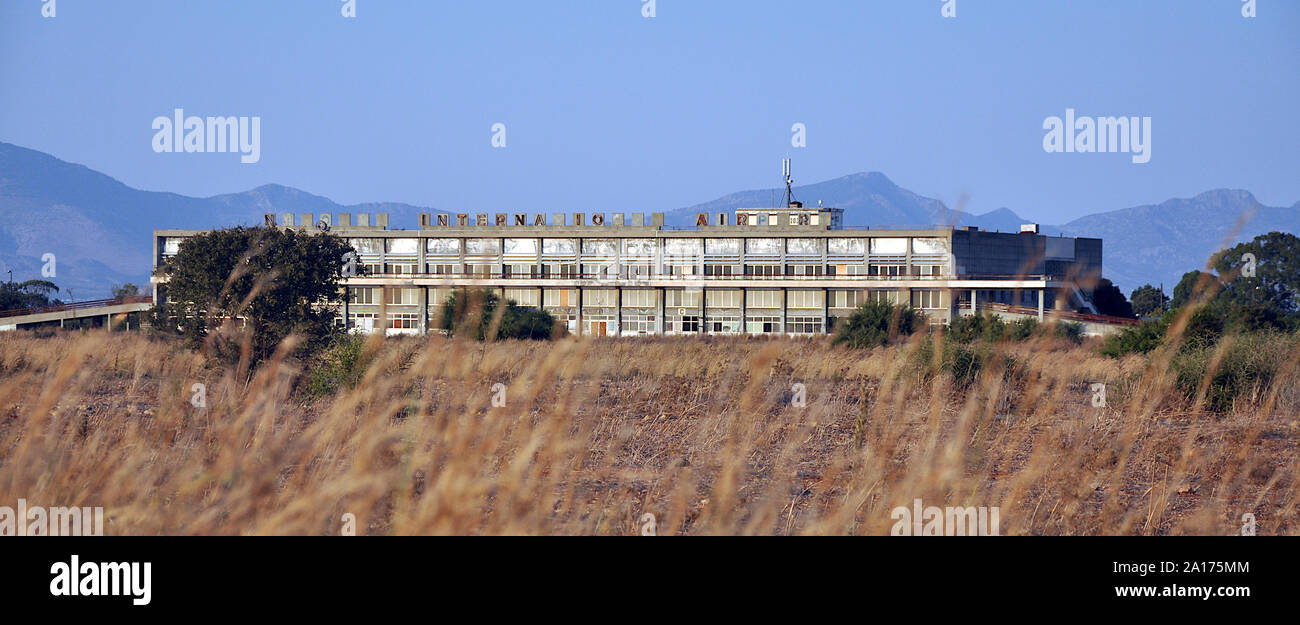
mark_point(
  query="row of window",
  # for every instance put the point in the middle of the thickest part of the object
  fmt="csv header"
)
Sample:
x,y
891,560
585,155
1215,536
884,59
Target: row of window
x,y
633,271
646,248
928,299
602,325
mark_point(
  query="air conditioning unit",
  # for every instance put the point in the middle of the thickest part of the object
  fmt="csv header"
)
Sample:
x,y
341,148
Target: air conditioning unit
x,y
1028,228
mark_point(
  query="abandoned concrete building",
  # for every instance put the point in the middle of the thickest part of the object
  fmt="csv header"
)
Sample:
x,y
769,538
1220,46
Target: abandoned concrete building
x,y
790,270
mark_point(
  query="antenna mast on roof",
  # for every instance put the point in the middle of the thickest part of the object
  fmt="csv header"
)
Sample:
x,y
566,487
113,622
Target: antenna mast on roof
x,y
789,191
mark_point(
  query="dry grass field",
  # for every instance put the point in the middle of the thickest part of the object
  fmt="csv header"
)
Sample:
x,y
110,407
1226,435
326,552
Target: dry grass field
x,y
705,434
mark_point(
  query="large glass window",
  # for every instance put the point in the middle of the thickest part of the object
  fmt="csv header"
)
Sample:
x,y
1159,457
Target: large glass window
x,y
523,297
403,321
562,298
639,298
362,295
846,298
755,298
482,247
927,299
762,324
722,298
560,247
443,247
367,246
599,297
929,245
846,246
763,246
722,246
887,296
680,298
804,325
683,248
639,248
403,246
403,297
600,247
806,299
892,247
805,247
521,247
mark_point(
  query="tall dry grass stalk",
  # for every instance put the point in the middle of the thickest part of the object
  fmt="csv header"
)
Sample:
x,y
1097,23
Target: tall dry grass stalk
x,y
595,433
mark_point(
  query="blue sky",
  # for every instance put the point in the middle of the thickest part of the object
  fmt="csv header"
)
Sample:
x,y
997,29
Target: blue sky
x,y
608,110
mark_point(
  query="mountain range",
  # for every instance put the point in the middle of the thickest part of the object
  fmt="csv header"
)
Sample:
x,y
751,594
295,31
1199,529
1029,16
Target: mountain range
x,y
100,230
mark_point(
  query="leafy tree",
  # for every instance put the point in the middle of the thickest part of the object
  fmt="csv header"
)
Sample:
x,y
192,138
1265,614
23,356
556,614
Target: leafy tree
x,y
472,313
876,323
29,294
1275,284
1109,300
276,281
974,327
340,365
1139,339
1148,300
1191,284
126,290
1021,329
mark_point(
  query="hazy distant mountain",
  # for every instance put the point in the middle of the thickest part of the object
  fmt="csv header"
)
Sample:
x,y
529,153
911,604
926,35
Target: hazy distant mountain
x,y
1159,243
1142,244
868,199
100,229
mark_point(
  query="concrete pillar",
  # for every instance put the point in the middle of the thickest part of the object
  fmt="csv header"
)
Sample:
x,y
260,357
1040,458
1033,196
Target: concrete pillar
x,y
973,309
424,309
659,316
785,328
1040,304
579,308
744,310
108,322
826,311
704,302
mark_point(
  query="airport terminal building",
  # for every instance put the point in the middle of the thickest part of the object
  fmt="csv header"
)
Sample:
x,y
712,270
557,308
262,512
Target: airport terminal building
x,y
790,270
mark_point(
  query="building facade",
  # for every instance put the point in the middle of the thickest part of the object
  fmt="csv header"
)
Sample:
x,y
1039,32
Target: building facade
x,y
788,271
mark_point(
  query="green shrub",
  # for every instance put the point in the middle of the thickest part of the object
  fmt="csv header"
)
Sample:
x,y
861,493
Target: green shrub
x,y
1069,331
1139,339
990,328
340,365
1022,329
964,361
986,327
877,323
1246,372
472,312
